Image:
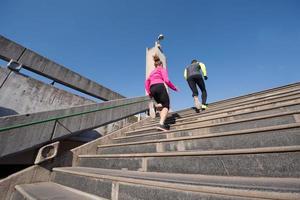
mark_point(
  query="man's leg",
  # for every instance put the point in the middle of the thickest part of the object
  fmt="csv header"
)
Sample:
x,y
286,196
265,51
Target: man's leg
x,y
196,102
193,87
201,84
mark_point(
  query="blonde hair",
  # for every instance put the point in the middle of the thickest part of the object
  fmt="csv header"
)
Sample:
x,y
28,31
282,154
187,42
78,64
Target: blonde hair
x,y
157,61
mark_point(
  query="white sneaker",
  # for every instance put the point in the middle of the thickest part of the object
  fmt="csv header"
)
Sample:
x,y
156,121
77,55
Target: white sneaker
x,y
203,106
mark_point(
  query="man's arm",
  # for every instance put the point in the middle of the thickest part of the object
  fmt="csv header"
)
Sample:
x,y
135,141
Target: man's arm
x,y
203,69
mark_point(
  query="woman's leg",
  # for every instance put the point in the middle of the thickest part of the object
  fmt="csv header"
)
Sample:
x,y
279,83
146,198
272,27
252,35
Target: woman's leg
x,y
163,115
162,97
165,102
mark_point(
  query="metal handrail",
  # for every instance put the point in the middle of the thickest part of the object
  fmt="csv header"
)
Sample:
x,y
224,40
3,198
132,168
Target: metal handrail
x,y
65,116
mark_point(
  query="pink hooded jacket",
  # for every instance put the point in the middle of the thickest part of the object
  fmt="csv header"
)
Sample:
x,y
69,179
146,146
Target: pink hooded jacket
x,y
158,75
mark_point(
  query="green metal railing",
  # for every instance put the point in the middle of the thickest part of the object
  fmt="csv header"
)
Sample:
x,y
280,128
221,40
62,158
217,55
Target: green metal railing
x,y
65,116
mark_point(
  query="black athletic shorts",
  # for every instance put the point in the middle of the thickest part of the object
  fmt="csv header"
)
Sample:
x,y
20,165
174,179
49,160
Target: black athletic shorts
x,y
160,94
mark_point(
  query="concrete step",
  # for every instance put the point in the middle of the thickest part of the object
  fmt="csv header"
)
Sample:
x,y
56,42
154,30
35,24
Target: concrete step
x,y
165,186
291,105
218,127
225,111
267,92
282,135
253,162
50,190
247,98
235,107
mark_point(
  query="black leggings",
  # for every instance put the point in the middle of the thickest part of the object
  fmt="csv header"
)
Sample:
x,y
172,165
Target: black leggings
x,y
195,80
160,94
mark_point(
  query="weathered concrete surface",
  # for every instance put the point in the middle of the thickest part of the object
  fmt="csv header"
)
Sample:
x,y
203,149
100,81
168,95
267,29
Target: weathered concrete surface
x,y
112,163
50,190
3,75
25,95
288,184
255,95
91,147
24,138
10,50
248,99
256,122
101,188
130,191
275,137
45,67
224,117
144,185
254,165
31,174
258,164
280,101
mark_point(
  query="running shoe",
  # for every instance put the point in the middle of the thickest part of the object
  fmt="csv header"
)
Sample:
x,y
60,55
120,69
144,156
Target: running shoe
x,y
203,106
163,127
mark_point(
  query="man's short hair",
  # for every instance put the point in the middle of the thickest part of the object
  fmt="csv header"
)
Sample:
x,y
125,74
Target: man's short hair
x,y
194,61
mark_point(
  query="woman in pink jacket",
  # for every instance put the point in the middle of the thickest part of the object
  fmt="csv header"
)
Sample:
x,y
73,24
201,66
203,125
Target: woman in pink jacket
x,y
155,88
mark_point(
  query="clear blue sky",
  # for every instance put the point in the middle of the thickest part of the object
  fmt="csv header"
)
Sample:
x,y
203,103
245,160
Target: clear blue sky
x,y
247,45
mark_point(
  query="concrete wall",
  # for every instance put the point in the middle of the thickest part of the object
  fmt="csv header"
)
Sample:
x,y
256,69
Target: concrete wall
x,y
42,131
3,75
21,94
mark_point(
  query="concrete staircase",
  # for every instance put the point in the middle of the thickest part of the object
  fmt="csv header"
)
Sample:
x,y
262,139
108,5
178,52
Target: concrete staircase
x,y
246,147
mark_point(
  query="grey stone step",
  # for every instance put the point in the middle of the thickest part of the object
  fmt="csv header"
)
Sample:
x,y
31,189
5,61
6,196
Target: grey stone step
x,y
240,124
221,109
254,162
51,191
246,108
291,105
165,186
282,135
266,92
217,105
247,98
